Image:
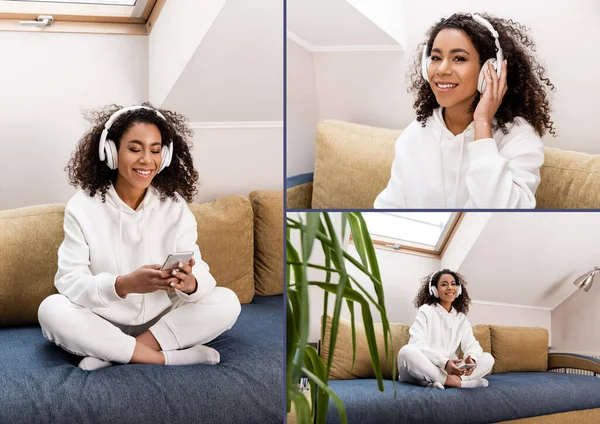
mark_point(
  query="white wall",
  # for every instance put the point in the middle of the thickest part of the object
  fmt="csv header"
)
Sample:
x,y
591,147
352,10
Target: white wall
x,y
236,73
238,161
344,95
302,110
575,323
46,80
177,32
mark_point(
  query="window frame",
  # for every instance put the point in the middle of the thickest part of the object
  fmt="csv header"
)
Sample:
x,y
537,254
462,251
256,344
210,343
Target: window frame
x,y
81,18
417,248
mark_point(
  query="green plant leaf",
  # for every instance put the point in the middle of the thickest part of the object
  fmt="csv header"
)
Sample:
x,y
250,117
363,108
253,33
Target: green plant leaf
x,y
336,400
368,325
301,318
357,237
303,409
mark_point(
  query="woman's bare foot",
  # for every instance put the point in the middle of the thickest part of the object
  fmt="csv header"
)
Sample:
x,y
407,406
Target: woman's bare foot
x,y
453,381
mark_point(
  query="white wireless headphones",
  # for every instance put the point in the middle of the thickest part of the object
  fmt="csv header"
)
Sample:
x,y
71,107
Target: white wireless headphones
x,y
497,63
433,289
108,149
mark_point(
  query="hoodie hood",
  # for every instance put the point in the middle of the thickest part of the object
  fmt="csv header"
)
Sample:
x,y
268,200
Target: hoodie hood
x,y
132,223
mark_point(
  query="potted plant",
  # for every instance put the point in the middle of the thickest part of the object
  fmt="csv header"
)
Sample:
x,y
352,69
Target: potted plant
x,y
302,360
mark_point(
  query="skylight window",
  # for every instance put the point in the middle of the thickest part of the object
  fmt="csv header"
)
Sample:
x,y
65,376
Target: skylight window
x,y
426,232
108,16
110,2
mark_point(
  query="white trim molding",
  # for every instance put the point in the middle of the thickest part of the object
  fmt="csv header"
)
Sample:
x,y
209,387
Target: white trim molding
x,y
349,48
510,305
228,125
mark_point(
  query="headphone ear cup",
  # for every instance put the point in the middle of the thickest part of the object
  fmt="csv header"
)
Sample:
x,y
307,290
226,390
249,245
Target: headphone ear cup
x,y
167,156
459,291
112,155
434,292
425,62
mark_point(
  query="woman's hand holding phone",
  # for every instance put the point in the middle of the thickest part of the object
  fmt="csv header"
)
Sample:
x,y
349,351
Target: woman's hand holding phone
x,y
184,279
469,360
146,279
452,369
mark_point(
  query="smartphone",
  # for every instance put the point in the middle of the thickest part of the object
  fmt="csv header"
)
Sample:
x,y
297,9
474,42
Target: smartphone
x,y
174,258
463,366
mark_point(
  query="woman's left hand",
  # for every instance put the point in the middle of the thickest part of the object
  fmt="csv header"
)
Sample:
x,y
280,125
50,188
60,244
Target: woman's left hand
x,y
491,99
183,279
469,360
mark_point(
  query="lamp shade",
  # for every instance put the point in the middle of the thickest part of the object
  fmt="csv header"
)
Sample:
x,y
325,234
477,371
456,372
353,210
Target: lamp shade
x,y
586,280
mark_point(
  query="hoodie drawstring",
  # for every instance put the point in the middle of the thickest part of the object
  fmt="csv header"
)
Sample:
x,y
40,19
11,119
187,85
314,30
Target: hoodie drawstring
x,y
120,238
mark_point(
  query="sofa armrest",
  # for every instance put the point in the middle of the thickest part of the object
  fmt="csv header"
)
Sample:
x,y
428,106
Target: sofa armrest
x,y
299,191
572,360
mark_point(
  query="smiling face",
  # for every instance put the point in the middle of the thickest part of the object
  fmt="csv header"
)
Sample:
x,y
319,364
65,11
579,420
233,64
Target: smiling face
x,y
447,288
454,69
139,156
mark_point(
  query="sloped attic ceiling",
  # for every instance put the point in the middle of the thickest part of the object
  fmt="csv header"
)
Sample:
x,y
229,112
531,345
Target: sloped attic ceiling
x,y
236,73
531,258
333,23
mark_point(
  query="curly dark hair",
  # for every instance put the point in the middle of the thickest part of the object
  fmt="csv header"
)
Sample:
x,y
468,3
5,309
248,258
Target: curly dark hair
x,y
528,87
461,303
88,172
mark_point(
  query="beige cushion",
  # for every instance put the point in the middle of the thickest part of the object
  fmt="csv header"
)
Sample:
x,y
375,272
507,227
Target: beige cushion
x,y
299,197
352,164
569,180
268,241
341,368
226,242
482,335
29,242
519,348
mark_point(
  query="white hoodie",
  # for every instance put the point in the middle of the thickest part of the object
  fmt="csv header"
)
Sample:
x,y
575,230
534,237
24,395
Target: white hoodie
x,y
433,168
439,333
105,240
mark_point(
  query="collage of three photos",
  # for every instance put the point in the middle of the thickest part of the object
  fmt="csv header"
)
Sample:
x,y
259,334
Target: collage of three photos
x,y
301,211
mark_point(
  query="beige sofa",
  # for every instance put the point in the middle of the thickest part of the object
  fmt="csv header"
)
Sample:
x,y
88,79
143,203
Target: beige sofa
x,y
240,238
353,162
521,363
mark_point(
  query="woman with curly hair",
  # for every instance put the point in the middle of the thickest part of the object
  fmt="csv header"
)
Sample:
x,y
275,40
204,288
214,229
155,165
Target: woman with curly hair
x,y
136,173
482,105
441,326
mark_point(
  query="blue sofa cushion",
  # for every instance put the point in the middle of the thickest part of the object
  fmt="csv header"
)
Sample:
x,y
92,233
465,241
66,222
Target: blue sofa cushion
x,y
41,383
509,396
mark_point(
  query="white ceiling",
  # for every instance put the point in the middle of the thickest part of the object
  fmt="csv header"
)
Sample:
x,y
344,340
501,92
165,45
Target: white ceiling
x,y
532,258
236,73
333,23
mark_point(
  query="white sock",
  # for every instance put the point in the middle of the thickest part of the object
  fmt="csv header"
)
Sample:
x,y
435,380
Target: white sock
x,y
198,354
478,382
436,384
89,363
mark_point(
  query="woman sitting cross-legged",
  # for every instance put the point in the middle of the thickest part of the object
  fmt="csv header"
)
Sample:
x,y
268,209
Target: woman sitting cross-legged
x,y
441,326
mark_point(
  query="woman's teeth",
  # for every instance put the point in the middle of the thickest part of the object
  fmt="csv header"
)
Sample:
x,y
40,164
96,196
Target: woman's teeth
x,y
142,172
447,85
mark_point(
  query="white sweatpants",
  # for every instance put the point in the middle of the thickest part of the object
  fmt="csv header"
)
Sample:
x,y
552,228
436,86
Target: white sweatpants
x,y
82,332
416,368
